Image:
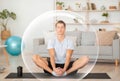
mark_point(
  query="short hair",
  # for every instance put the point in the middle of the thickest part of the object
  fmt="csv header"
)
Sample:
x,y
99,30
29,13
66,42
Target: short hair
x,y
61,22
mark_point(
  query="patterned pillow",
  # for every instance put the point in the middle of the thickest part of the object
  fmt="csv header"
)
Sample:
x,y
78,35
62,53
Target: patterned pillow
x,y
105,38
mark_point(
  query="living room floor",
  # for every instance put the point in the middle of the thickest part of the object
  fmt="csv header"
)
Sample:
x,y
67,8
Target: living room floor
x,y
15,61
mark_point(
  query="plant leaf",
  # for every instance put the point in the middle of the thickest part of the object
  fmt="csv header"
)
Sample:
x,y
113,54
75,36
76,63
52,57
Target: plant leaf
x,y
5,13
13,15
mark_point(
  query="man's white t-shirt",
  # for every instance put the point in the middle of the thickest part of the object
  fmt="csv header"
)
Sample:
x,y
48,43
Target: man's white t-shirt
x,y
60,48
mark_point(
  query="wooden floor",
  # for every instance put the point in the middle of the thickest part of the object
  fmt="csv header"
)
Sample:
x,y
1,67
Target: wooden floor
x,y
113,72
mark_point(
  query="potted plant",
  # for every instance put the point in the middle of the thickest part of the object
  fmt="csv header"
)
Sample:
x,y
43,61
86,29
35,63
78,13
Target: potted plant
x,y
59,5
5,16
105,14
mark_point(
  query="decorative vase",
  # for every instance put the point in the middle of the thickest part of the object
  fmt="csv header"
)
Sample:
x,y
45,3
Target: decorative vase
x,y
77,6
105,20
5,34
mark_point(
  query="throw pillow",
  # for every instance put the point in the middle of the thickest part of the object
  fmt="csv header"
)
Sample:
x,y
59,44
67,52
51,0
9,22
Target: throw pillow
x,y
105,38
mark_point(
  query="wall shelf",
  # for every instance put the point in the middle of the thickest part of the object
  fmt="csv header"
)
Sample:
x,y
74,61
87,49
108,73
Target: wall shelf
x,y
96,11
88,15
93,24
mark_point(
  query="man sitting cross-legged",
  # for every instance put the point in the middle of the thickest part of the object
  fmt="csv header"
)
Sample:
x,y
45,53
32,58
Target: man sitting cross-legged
x,y
60,50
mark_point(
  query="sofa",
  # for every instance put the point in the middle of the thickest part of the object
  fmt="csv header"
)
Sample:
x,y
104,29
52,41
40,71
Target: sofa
x,y
103,45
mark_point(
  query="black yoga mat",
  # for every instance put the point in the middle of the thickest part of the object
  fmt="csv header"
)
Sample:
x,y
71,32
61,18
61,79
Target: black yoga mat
x,y
48,76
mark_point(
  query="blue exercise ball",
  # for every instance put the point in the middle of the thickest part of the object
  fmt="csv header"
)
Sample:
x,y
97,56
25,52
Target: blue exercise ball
x,y
13,45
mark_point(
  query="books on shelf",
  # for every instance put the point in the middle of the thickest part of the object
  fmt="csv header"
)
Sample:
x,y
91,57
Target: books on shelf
x,y
91,6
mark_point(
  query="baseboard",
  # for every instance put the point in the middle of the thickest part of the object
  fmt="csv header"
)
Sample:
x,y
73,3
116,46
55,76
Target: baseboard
x,y
104,61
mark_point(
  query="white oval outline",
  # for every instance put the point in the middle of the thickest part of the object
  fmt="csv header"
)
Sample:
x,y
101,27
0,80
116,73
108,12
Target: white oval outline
x,y
44,15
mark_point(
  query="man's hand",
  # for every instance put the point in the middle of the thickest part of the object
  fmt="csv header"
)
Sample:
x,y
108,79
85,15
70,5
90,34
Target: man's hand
x,y
63,70
59,71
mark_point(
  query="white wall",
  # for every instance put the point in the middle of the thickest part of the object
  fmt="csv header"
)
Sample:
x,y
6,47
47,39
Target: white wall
x,y
26,11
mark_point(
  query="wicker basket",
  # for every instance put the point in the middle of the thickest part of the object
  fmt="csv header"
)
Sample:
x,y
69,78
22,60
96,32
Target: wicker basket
x,y
5,34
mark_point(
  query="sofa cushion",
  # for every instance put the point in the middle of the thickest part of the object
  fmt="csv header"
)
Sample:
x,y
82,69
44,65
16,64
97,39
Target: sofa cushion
x,y
38,41
48,35
73,39
105,38
88,38
76,34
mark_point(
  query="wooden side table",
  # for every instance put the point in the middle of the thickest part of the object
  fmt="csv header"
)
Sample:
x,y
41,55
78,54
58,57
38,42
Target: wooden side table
x,y
5,53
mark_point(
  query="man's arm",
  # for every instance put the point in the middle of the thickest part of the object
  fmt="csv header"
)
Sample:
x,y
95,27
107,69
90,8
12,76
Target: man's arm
x,y
52,60
68,58
52,57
